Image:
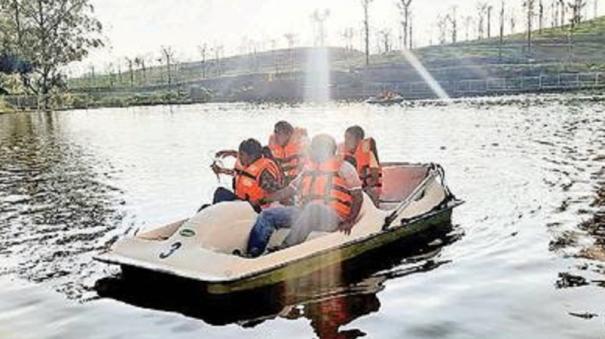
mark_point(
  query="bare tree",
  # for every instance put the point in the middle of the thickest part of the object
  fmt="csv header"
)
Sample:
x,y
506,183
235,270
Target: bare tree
x,y
167,57
453,20
139,63
349,36
576,7
562,11
291,40
404,9
442,28
489,21
411,33
366,27
530,8
554,11
93,81
501,30
385,38
481,12
468,22
540,16
513,22
218,52
130,65
319,19
203,50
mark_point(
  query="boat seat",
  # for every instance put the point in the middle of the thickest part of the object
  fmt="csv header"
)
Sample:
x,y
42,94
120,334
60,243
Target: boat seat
x,y
398,182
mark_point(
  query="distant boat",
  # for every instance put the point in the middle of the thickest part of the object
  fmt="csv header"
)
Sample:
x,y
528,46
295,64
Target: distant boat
x,y
414,201
389,99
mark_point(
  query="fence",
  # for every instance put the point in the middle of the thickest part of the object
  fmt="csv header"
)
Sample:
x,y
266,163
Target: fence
x,y
473,87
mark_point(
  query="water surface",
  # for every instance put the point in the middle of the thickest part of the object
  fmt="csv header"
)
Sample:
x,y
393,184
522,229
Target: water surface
x,y
528,260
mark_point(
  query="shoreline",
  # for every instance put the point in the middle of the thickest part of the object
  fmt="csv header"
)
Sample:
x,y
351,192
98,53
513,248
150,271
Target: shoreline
x,y
502,99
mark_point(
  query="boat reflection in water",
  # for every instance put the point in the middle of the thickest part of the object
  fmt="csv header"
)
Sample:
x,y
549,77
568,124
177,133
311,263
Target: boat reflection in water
x,y
330,298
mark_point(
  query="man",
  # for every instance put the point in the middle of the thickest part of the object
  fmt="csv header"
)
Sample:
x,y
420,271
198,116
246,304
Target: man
x,y
330,199
254,176
362,153
288,147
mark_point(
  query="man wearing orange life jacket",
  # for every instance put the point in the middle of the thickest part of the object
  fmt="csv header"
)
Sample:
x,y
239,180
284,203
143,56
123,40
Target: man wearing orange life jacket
x,y
329,196
288,147
255,177
362,153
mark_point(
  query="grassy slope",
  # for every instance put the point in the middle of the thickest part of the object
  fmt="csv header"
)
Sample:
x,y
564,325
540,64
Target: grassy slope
x,y
551,53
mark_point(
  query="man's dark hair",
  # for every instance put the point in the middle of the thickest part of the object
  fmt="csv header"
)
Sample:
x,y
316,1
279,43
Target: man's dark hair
x,y
357,131
251,147
283,127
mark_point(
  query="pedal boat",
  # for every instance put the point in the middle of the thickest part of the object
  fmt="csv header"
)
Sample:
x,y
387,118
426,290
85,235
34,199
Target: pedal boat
x,y
415,199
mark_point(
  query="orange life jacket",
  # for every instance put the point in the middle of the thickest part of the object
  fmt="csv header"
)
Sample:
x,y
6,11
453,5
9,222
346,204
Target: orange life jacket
x,y
291,156
323,183
247,185
361,160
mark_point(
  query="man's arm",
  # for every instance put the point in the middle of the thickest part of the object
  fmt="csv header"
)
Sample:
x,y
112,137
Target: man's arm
x,y
281,195
348,223
226,153
374,177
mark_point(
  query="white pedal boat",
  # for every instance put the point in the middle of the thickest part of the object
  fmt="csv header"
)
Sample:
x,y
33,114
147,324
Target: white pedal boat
x,y
415,199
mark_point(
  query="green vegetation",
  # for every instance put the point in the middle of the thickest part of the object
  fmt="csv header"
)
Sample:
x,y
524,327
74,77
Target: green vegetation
x,y
47,35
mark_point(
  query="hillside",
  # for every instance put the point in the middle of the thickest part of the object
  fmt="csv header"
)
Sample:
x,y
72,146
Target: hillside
x,y
278,74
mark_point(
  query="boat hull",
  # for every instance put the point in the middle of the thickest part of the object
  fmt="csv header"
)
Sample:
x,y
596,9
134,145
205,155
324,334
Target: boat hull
x,y
418,229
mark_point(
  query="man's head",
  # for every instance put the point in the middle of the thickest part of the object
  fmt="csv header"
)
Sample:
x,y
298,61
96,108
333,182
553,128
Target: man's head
x,y
283,131
353,136
323,148
249,151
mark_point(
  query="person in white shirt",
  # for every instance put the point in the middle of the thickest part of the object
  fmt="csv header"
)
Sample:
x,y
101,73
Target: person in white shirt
x,y
329,194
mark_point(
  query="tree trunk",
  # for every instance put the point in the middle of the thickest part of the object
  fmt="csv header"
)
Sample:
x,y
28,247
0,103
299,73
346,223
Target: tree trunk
x,y
366,27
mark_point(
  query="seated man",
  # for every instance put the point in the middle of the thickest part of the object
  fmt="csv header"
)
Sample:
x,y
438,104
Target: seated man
x,y
362,153
288,147
330,198
254,176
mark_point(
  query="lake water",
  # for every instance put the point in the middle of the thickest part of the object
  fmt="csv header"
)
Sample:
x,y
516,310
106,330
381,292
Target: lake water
x,y
528,258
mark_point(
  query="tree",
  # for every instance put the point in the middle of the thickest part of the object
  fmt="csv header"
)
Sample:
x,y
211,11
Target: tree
x,y
366,27
562,9
513,23
50,35
442,28
384,37
291,39
218,51
130,65
540,16
404,9
348,34
140,64
203,50
576,7
529,6
481,12
554,10
468,22
489,21
502,12
167,57
596,8
452,19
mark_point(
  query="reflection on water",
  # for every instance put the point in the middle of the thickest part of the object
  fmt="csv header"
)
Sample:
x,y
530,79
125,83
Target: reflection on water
x,y
531,262
55,204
